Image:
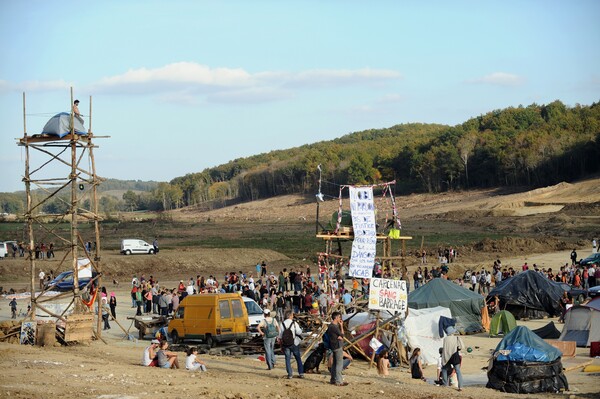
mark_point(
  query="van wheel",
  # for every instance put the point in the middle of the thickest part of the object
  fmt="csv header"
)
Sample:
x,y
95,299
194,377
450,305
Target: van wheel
x,y
151,252
211,341
128,252
175,337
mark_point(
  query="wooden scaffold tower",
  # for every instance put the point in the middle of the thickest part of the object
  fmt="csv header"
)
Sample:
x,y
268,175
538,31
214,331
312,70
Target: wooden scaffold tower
x,y
388,231
61,168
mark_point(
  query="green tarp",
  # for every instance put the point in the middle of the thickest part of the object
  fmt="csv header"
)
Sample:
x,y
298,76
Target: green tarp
x,y
465,305
346,220
503,322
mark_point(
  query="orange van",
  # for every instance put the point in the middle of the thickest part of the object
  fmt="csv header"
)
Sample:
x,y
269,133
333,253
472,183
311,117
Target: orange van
x,y
211,318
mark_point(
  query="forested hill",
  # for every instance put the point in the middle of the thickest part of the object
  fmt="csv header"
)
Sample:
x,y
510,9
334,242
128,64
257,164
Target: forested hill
x,y
534,146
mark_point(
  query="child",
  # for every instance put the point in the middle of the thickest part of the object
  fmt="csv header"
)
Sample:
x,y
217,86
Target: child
x,y
438,380
192,363
383,363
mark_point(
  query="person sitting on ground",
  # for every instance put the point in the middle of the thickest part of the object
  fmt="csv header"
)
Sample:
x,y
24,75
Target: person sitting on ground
x,y
166,359
416,368
149,357
383,363
192,363
345,363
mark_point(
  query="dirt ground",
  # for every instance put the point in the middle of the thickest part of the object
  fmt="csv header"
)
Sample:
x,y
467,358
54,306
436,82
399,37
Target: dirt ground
x,y
557,217
112,370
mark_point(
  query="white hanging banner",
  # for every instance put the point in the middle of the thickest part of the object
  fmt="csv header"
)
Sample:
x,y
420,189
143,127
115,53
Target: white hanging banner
x,y
364,245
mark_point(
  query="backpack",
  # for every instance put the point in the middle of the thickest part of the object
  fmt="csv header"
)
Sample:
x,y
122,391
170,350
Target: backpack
x,y
287,337
271,331
326,341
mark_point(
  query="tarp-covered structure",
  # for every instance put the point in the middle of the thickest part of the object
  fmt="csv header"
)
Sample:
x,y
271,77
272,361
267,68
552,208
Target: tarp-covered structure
x,y
529,295
582,324
422,331
524,363
465,305
503,322
60,125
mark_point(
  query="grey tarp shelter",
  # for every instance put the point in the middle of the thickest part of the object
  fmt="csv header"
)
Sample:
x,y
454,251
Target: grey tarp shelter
x,y
529,295
582,324
60,125
465,305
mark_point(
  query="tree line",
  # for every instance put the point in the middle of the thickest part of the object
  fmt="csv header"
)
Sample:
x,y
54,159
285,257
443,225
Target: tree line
x,y
535,145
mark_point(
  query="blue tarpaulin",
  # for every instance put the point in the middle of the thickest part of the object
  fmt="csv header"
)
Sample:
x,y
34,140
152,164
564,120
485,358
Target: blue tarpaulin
x,y
525,346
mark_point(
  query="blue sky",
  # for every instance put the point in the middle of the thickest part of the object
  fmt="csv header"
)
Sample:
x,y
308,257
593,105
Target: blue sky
x,y
185,85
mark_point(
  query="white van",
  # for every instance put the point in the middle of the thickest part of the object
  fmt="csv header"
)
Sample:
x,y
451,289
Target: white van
x,y
3,250
135,246
255,315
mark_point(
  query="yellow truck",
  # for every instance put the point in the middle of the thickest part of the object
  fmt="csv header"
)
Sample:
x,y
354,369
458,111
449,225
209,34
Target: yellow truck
x,y
211,318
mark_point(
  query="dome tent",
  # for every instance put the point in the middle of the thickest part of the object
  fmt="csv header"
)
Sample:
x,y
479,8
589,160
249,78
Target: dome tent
x,y
60,125
529,295
465,305
503,322
582,324
525,363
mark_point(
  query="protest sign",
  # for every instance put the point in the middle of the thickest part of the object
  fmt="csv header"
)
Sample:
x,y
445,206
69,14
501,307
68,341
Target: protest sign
x,y
388,295
364,245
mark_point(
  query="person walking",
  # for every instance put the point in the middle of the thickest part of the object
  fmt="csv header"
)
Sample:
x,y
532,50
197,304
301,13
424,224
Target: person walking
x,y
290,341
269,329
13,308
42,277
335,333
451,359
113,305
104,309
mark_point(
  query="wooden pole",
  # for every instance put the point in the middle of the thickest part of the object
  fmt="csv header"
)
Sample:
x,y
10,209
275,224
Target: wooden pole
x,y
375,336
28,214
73,208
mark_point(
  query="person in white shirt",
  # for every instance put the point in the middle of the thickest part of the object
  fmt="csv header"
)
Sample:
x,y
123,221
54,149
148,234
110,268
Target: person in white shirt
x,y
42,276
148,358
293,350
192,363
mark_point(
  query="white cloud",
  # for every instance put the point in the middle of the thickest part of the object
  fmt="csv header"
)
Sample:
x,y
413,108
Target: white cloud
x,y
499,79
181,72
249,95
190,82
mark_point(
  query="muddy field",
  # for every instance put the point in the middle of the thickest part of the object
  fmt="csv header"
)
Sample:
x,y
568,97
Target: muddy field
x,y
541,226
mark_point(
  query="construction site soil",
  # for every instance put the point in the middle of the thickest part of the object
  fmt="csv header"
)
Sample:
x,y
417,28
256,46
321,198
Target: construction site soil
x,y
540,226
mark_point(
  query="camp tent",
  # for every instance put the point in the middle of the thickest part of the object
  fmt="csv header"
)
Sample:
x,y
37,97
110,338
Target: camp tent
x,y
525,363
422,331
549,331
503,322
60,125
529,295
582,324
465,305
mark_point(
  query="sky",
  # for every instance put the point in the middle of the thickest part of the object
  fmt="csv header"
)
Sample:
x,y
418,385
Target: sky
x,y
180,86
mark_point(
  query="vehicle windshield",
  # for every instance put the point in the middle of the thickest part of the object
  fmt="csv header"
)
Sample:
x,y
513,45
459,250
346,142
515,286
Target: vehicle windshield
x,y
62,276
252,307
